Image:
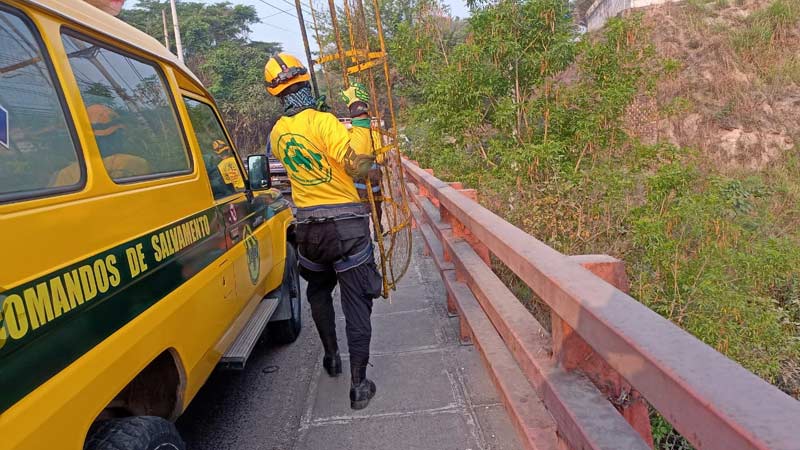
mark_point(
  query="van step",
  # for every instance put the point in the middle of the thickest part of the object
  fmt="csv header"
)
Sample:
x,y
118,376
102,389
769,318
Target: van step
x,y
236,356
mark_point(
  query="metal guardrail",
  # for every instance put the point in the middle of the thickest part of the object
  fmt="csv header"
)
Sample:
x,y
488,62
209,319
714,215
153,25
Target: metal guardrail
x,y
587,385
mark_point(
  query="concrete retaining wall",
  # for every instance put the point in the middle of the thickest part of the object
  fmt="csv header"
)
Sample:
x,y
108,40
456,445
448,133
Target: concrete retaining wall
x,y
601,10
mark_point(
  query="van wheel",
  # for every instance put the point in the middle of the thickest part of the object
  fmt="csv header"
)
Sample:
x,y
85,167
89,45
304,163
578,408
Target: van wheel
x,y
134,433
287,331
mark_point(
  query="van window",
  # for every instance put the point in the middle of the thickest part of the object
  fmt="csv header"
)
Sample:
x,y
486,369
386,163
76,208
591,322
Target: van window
x,y
223,170
35,139
132,116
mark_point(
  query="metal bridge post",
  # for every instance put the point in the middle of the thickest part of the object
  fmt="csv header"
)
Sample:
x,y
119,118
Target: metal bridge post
x,y
571,352
452,309
461,231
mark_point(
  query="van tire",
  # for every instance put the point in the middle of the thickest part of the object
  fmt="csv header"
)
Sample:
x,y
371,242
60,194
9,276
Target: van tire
x,y
134,433
286,331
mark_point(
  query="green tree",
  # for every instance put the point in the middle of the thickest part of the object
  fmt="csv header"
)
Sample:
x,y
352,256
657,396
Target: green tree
x,y
203,26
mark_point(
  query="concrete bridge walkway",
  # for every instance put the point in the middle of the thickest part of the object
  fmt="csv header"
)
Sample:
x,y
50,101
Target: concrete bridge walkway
x,y
433,392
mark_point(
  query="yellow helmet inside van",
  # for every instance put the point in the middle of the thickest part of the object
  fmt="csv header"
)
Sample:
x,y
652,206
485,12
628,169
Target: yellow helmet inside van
x,y
105,121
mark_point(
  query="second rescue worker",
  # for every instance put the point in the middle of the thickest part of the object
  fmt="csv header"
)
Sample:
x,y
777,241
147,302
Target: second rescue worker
x,y
362,135
333,236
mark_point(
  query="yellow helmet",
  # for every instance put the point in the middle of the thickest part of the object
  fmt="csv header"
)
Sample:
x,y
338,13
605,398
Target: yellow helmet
x,y
105,121
283,70
220,146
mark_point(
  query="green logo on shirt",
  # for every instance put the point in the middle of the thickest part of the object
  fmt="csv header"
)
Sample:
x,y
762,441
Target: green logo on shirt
x,y
306,164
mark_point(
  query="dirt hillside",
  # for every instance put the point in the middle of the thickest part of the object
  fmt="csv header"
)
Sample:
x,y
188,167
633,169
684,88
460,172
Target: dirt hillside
x,y
732,84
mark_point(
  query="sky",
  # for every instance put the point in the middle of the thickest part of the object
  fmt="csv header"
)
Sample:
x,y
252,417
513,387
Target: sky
x,y
278,26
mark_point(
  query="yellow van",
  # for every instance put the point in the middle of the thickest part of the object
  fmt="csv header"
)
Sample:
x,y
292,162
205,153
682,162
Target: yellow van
x,y
137,251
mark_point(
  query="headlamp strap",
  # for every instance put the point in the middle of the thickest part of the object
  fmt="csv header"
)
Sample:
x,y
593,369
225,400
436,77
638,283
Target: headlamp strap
x,y
280,62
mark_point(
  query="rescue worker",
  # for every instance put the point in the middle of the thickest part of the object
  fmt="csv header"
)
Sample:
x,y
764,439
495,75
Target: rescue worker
x,y
109,133
333,237
222,169
363,136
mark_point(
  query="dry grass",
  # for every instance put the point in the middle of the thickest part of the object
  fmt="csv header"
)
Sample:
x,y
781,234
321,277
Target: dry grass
x,y
732,78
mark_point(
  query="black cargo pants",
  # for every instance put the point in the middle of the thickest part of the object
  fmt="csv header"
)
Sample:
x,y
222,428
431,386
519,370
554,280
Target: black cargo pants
x,y
327,243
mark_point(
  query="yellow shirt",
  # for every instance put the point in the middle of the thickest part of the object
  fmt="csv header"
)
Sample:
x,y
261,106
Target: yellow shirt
x,y
361,142
229,171
118,166
311,145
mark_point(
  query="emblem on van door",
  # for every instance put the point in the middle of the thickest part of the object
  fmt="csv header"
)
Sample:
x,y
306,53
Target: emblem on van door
x,y
4,129
232,213
253,259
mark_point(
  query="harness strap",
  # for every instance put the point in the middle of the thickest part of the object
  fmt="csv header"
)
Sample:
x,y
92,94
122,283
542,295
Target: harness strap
x,y
363,187
341,265
311,265
345,264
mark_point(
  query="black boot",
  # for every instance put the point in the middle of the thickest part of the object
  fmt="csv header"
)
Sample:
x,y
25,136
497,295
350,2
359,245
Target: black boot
x,y
332,362
362,389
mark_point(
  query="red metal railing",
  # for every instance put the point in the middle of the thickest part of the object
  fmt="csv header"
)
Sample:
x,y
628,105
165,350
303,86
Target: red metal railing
x,y
584,385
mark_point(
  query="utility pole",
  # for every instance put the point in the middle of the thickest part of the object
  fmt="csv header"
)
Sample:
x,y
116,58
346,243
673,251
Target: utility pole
x,y
308,50
166,32
178,45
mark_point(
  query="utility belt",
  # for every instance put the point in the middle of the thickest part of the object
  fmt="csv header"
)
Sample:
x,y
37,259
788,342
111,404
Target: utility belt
x,y
326,213
331,213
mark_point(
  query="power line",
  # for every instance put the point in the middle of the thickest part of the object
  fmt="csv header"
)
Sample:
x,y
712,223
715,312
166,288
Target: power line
x,y
280,28
281,10
293,5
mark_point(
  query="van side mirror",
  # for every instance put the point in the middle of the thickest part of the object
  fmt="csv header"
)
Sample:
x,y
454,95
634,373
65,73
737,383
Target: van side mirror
x,y
258,172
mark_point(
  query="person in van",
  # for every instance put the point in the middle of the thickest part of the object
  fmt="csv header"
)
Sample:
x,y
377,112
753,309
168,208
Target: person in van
x,y
109,133
222,168
333,236
105,122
